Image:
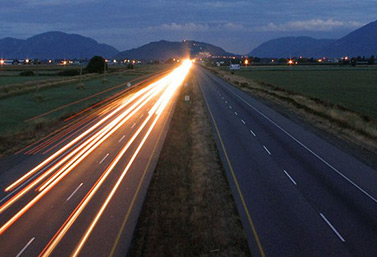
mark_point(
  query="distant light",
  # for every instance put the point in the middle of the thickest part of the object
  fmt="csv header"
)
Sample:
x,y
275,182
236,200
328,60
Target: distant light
x,y
2,62
114,61
346,58
290,62
246,62
27,60
319,60
64,62
49,61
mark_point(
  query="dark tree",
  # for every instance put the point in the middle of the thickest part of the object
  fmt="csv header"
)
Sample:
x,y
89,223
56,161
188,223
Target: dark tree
x,y
371,60
96,65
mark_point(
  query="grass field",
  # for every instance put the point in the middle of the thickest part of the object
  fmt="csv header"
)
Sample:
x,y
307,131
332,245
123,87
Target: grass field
x,y
352,87
15,110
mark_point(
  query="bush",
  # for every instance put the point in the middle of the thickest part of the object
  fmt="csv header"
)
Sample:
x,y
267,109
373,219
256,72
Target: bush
x,y
96,65
27,73
69,73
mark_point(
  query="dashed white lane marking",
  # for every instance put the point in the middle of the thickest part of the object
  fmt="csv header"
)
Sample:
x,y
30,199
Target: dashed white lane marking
x,y
25,247
307,148
133,125
121,138
265,148
230,107
236,113
252,132
289,176
104,158
332,227
243,122
141,116
74,192
226,102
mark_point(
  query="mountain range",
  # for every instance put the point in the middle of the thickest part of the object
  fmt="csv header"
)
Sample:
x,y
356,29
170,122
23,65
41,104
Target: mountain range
x,y
54,45
361,42
59,45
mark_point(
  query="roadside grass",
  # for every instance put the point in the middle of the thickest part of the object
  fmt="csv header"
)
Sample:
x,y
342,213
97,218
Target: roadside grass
x,y
355,127
354,88
189,209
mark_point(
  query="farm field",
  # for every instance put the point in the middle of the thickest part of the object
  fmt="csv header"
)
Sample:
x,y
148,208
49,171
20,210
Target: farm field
x,y
352,87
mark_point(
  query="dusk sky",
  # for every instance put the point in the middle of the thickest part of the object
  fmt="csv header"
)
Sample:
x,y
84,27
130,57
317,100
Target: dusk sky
x,y
237,26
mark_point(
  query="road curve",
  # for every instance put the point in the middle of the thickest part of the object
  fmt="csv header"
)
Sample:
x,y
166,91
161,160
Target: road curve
x,y
297,194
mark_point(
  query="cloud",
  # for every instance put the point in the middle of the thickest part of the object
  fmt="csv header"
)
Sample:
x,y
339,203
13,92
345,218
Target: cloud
x,y
186,27
310,25
199,27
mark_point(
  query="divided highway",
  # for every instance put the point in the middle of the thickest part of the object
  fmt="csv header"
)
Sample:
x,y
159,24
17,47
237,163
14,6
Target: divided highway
x,y
79,192
297,194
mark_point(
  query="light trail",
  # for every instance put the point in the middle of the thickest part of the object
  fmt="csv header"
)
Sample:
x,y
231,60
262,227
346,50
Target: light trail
x,y
166,98
44,163
88,146
178,78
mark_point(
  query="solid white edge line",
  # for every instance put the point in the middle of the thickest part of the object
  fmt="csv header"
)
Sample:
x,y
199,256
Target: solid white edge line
x,y
332,227
104,158
74,192
265,148
307,148
252,132
25,247
289,176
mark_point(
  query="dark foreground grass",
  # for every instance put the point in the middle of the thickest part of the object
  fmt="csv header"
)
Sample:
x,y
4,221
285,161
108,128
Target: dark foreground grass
x,y
189,209
354,88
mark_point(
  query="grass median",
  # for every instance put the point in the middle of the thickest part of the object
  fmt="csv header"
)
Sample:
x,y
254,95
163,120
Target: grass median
x,y
189,209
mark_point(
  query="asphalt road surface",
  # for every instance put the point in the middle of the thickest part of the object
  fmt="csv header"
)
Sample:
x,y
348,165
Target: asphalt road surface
x,y
297,194
79,191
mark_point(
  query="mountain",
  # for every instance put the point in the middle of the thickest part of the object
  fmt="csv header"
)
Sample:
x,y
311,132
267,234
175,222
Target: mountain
x,y
290,47
361,42
163,50
54,45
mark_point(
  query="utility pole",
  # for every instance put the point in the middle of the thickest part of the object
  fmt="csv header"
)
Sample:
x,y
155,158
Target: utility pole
x,y
104,72
37,62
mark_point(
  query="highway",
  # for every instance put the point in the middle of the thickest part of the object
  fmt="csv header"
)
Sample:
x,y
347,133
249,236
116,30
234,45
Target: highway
x,y
79,191
297,194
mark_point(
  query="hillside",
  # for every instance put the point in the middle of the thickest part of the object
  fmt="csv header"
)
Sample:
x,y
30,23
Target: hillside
x,y
163,50
290,47
360,42
54,45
